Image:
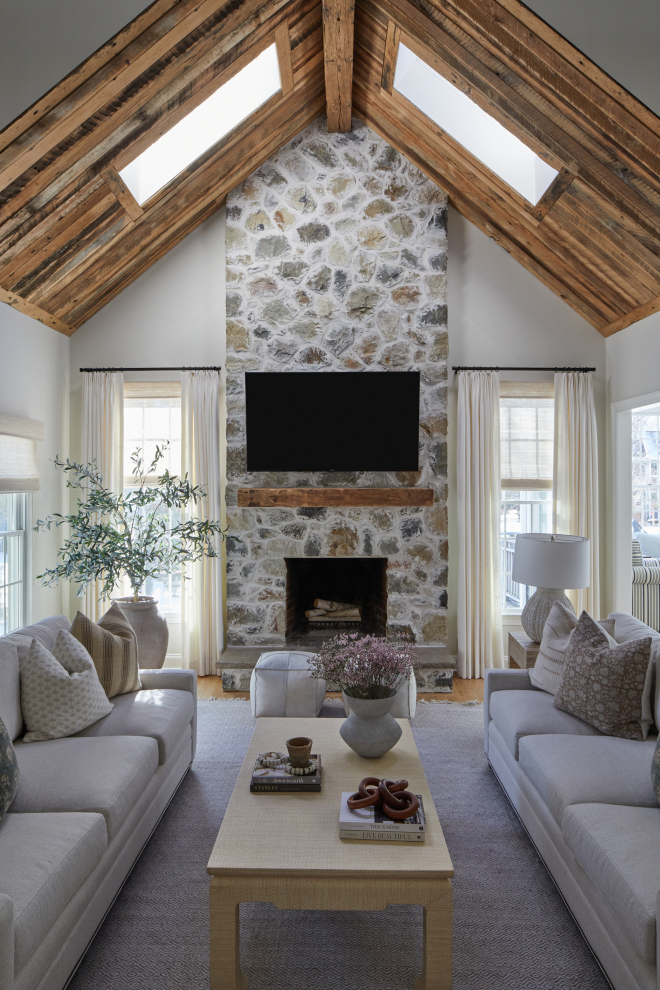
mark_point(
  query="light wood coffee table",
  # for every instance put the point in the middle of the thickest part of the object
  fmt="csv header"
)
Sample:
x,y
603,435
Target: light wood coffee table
x,y
285,849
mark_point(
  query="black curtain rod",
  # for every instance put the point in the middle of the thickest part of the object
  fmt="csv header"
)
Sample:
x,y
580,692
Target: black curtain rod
x,y
465,367
205,368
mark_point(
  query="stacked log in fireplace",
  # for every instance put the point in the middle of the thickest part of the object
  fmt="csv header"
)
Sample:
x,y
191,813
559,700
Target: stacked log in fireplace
x,y
334,613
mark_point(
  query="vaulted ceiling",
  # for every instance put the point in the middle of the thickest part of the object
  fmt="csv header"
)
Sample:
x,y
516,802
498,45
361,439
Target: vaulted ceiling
x,y
72,236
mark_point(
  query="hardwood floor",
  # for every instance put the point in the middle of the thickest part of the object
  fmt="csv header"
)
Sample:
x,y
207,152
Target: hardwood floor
x,y
463,690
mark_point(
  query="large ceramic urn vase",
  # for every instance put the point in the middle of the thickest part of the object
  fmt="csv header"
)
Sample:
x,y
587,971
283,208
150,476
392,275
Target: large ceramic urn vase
x,y
150,628
370,730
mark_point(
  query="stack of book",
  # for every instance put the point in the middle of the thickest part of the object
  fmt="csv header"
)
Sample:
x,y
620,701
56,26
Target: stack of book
x,y
367,823
278,781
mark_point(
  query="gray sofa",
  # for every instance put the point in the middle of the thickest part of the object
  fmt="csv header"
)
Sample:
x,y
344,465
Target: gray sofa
x,y
85,807
587,803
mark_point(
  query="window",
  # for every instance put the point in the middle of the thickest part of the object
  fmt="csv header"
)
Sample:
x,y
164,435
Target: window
x,y
152,415
204,126
645,473
526,456
479,133
13,560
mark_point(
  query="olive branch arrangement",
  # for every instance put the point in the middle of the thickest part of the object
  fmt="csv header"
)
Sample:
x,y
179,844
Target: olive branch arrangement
x,y
131,534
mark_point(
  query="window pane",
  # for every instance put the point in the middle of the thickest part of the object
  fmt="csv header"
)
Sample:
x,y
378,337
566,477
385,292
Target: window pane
x,y
521,512
645,471
478,132
13,509
154,420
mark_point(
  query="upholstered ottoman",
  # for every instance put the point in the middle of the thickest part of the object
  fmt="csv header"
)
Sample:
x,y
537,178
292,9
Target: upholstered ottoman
x,y
282,685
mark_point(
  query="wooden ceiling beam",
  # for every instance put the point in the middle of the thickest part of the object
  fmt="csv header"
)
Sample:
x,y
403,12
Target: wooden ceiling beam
x,y
338,30
121,192
29,309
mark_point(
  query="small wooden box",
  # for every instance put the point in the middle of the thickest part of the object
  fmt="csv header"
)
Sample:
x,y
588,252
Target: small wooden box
x,y
523,651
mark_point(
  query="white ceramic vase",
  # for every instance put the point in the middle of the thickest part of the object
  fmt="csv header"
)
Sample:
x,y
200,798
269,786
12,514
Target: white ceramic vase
x,y
150,630
370,730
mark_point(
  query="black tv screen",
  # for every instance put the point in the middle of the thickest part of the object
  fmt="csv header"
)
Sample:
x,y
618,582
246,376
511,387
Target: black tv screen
x,y
332,421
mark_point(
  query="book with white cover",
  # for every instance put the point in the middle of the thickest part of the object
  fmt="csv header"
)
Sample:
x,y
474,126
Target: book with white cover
x,y
370,820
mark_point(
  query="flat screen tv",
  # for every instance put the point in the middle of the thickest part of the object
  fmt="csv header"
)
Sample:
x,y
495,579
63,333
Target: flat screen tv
x,y
332,420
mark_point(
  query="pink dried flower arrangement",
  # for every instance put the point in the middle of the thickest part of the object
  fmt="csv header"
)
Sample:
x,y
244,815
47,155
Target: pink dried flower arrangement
x,y
365,667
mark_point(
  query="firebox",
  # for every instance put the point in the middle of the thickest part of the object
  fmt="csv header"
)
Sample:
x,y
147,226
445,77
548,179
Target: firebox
x,y
351,595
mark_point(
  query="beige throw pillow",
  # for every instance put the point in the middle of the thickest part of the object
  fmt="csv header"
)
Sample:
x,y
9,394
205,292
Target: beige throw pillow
x,y
605,685
60,691
112,646
557,632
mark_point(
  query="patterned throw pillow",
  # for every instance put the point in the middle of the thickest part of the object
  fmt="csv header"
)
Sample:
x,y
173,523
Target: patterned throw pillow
x,y
112,645
8,770
604,686
557,632
60,691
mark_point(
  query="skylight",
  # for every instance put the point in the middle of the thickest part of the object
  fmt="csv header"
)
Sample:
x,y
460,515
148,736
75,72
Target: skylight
x,y
202,127
478,132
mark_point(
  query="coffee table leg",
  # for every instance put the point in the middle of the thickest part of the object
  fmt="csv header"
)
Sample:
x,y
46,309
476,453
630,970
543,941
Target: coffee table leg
x,y
225,966
436,971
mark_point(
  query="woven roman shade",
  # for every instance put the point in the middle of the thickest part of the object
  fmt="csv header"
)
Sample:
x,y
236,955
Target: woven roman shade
x,y
19,468
526,435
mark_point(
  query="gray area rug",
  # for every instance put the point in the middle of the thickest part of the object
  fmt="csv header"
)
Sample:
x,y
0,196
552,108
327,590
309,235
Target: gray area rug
x,y
511,928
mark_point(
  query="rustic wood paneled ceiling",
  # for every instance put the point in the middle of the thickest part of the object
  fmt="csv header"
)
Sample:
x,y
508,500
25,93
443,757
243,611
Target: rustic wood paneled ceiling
x,y
72,236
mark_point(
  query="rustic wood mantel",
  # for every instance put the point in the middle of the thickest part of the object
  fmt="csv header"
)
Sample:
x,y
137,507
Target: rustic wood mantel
x,y
350,497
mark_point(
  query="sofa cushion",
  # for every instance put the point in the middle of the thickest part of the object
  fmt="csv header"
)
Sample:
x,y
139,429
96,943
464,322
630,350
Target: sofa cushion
x,y
112,645
163,715
580,770
617,847
45,632
10,689
43,861
103,775
60,691
605,683
527,713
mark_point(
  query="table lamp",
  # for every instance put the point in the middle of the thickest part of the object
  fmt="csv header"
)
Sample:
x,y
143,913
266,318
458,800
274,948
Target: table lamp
x,y
551,562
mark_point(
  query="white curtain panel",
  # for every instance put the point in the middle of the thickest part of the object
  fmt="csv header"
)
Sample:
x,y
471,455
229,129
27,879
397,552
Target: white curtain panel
x,y
479,595
203,627
575,494
102,441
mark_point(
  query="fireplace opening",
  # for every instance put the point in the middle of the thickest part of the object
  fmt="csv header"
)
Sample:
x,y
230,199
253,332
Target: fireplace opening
x,y
357,584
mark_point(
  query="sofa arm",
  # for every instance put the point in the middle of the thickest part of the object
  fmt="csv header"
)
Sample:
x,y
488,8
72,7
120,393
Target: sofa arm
x,y
6,943
646,575
502,680
177,680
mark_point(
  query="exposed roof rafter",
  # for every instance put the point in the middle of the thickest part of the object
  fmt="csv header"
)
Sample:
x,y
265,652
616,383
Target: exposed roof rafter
x,y
72,235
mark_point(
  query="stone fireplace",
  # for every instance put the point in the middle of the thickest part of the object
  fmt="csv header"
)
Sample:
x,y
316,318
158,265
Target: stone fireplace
x,y
360,581
336,260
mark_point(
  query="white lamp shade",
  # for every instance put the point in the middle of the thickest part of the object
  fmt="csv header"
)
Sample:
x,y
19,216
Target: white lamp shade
x,y
547,560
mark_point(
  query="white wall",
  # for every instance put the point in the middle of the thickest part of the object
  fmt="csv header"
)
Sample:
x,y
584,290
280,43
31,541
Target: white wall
x,y
34,373
500,314
172,315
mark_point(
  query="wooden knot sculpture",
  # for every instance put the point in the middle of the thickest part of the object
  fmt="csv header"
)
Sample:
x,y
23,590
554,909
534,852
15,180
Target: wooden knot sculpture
x,y
389,795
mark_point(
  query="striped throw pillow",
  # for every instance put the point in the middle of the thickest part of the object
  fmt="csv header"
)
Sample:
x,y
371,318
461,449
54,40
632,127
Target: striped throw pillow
x,y
557,632
112,645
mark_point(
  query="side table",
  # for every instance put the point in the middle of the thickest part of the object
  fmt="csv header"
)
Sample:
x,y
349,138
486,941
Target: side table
x,y
523,651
